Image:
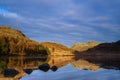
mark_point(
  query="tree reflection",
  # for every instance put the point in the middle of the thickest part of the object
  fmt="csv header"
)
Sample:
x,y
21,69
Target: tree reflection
x,y
17,67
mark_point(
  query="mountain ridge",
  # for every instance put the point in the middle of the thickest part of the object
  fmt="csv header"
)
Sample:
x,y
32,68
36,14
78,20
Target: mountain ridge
x,y
14,42
103,49
84,46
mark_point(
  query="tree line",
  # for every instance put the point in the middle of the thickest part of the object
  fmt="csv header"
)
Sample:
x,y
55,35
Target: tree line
x,y
24,46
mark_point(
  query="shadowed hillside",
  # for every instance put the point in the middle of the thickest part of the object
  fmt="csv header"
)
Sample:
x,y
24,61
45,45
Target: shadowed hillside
x,y
57,49
14,42
103,49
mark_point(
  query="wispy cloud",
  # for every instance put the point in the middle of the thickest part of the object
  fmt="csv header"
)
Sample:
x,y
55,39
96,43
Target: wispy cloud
x,y
64,20
8,14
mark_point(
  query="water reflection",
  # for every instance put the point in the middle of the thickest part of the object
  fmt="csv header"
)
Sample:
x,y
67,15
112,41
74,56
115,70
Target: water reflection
x,y
83,64
17,67
106,62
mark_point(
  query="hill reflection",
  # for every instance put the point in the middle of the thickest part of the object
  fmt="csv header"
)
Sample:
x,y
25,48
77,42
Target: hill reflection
x,y
25,65
83,64
17,67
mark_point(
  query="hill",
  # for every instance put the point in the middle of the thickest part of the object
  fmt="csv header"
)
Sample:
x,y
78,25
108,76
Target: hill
x,y
56,48
104,49
14,42
84,46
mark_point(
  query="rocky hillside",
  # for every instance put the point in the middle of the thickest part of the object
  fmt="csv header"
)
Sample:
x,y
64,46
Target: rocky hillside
x,y
84,46
14,42
57,49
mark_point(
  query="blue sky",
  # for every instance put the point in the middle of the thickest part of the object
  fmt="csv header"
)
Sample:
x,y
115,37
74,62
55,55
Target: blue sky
x,y
63,21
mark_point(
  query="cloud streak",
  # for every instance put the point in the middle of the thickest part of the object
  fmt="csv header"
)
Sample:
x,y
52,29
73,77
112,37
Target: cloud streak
x,y
62,21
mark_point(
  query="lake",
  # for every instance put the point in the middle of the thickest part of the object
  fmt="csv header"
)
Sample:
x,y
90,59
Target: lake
x,y
60,68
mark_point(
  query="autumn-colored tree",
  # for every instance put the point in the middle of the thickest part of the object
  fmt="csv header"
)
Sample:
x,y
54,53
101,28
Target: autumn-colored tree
x,y
4,46
14,42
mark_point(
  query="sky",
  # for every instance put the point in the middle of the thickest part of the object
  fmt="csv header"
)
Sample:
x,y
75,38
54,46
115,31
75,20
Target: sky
x,y
63,21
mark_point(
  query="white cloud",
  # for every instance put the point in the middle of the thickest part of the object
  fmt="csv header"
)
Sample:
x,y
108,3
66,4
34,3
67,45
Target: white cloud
x,y
7,14
11,15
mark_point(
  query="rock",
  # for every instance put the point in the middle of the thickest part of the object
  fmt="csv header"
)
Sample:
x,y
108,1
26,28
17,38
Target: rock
x,y
54,68
28,71
44,67
10,72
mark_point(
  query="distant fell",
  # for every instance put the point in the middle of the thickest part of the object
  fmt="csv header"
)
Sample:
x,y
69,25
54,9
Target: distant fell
x,y
84,46
103,49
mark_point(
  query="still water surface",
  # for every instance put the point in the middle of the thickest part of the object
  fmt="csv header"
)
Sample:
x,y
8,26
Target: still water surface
x,y
60,68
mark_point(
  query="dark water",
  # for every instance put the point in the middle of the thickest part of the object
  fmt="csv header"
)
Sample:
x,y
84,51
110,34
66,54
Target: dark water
x,y
60,68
